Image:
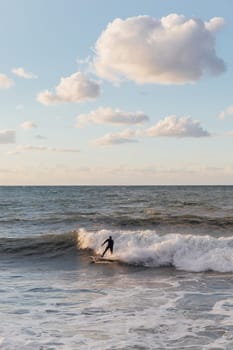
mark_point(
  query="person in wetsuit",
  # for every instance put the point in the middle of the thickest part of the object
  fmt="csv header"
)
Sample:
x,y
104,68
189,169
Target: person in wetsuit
x,y
109,246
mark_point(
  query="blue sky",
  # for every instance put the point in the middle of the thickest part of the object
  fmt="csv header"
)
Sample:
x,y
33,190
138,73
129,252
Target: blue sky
x,y
106,92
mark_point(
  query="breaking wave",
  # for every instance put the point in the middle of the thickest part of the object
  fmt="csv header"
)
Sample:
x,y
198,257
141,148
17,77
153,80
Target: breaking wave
x,y
146,248
187,252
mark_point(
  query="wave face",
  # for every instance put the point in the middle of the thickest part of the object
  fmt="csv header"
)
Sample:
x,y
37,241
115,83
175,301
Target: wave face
x,y
49,245
146,248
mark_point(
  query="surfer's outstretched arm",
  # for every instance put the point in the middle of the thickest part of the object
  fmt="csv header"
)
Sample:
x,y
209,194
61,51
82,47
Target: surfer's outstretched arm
x,y
104,242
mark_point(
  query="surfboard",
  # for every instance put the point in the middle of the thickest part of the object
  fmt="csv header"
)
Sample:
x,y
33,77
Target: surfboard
x,y
100,260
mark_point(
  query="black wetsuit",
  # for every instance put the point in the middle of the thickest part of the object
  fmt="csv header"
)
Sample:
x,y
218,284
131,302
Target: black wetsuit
x,y
110,242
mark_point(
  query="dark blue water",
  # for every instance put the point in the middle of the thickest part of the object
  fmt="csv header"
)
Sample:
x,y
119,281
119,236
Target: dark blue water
x,y
35,210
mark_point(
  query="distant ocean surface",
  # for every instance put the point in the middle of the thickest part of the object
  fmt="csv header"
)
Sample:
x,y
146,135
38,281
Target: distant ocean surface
x,y
170,287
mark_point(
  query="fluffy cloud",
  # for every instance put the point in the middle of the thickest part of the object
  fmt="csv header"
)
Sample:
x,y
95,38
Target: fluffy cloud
x,y
227,112
170,50
26,148
110,116
125,136
7,136
170,126
5,82
28,125
20,72
75,88
177,127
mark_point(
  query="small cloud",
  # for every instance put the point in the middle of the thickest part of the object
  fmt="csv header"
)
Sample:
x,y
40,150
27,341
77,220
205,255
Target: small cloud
x,y
5,82
227,112
110,139
20,72
108,115
28,125
39,148
215,24
173,126
171,50
75,88
7,136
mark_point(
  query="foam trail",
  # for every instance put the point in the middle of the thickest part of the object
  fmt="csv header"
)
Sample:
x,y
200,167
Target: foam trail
x,y
147,248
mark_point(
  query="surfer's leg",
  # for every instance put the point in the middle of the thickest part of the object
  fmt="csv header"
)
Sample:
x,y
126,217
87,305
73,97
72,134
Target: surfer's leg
x,y
104,252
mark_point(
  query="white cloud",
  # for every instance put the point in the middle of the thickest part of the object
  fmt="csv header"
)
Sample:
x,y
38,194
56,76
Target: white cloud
x,y
170,50
173,126
125,136
28,125
170,126
39,148
215,24
227,112
5,82
7,136
20,72
75,88
108,115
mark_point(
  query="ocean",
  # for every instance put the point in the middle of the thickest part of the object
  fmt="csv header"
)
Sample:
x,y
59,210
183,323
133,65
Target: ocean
x,y
170,285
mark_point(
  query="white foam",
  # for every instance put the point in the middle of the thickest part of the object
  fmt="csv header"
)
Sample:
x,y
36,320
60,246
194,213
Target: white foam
x,y
147,248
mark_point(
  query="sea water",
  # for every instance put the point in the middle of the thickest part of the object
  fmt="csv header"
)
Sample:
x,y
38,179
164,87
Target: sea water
x,y
170,286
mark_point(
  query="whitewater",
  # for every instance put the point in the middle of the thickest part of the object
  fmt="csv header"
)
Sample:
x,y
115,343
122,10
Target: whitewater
x,y
169,285
146,248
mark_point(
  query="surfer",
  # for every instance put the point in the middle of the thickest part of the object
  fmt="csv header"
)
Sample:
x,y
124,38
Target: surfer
x,y
109,246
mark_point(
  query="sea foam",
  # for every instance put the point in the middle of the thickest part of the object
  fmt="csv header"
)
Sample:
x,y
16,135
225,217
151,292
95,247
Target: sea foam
x,y
147,248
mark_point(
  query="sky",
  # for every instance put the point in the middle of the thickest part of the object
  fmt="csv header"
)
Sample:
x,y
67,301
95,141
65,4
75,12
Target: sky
x,y
132,92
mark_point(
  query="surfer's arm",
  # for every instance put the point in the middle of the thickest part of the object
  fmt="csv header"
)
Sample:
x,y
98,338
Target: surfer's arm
x,y
104,242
